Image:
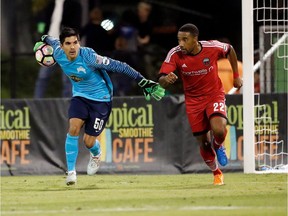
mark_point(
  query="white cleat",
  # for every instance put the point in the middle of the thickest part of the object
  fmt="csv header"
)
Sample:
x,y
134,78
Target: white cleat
x,y
94,164
71,178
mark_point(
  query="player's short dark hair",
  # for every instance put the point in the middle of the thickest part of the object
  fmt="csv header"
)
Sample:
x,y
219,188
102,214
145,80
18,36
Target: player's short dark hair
x,y
68,32
191,28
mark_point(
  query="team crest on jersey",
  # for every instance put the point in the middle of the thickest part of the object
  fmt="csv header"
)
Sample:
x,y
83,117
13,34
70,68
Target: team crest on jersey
x,y
206,61
81,69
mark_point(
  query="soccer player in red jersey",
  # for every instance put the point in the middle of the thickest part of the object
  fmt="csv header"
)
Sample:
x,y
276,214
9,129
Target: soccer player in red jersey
x,y
196,64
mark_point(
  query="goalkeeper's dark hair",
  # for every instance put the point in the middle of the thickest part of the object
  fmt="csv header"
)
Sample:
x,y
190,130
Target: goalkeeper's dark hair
x,y
191,28
68,32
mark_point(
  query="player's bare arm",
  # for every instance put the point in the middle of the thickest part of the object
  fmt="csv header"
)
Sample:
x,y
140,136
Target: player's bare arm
x,y
232,57
167,80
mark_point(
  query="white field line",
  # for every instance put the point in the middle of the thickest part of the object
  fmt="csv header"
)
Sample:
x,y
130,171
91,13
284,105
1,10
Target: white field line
x,y
128,209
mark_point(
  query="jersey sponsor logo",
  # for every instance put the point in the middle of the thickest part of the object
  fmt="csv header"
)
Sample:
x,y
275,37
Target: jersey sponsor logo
x,y
206,61
210,68
75,78
195,73
81,69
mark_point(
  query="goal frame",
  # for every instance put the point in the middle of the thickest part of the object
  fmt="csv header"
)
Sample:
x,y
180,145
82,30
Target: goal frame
x,y
248,87
249,162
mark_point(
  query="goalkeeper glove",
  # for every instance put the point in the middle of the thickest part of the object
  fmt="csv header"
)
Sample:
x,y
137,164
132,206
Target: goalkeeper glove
x,y
151,88
39,43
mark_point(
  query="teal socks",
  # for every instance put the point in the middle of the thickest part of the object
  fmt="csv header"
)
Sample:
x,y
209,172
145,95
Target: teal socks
x,y
71,149
95,149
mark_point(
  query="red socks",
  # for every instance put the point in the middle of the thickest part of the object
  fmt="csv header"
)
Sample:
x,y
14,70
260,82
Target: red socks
x,y
209,156
217,172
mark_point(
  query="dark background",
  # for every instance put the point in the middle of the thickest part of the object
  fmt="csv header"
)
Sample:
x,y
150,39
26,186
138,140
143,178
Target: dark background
x,y
215,20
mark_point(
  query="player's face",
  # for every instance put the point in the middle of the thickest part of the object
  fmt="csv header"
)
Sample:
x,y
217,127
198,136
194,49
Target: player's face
x,y
188,43
71,47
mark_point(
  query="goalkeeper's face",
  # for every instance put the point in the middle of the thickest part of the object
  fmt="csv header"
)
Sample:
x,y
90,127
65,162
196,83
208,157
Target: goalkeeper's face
x,y
71,47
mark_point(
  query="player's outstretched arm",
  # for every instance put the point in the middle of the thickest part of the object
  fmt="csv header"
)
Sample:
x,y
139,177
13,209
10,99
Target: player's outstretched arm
x,y
151,88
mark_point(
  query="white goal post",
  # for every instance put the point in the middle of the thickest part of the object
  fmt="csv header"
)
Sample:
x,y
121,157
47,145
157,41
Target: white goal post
x,y
248,80
266,11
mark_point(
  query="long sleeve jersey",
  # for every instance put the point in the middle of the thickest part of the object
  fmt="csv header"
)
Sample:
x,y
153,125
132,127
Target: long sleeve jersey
x,y
89,72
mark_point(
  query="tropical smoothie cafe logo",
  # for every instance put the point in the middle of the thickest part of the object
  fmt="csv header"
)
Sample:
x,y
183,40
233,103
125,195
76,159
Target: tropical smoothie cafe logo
x,y
266,129
128,136
15,135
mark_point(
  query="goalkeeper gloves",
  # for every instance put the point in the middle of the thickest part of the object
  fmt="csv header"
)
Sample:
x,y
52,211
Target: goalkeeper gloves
x,y
151,88
39,43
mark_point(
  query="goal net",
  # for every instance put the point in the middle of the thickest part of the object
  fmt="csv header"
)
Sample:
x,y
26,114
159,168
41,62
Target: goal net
x,y
266,54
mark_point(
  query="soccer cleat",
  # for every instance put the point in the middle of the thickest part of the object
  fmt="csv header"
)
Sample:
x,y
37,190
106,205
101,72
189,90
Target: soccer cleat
x,y
71,178
94,164
218,179
221,155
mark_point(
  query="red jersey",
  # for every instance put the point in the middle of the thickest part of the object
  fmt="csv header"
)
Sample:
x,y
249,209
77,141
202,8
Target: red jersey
x,y
199,72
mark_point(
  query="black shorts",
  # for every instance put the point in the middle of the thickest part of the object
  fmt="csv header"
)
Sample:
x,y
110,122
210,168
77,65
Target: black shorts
x,y
94,113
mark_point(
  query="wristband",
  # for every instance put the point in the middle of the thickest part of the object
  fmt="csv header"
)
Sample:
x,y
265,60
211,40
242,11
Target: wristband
x,y
235,75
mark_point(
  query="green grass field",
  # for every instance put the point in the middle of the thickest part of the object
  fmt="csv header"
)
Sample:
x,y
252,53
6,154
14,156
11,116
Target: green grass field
x,y
127,195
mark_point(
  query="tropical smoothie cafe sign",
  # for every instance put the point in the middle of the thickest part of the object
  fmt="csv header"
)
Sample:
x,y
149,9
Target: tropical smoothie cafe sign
x,y
15,135
129,135
139,136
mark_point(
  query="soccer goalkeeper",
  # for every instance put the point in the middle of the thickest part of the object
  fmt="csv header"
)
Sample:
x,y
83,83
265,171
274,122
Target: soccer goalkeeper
x,y
92,94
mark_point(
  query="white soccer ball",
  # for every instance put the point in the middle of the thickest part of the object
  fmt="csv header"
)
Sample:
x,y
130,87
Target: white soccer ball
x,y
44,55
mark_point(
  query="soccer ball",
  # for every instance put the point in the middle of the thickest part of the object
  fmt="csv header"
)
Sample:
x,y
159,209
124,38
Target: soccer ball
x,y
44,55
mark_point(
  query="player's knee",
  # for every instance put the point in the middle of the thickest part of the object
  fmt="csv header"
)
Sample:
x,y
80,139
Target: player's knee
x,y
219,133
74,131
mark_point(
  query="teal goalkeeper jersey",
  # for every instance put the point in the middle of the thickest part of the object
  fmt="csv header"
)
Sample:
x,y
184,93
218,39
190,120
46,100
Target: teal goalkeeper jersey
x,y
88,73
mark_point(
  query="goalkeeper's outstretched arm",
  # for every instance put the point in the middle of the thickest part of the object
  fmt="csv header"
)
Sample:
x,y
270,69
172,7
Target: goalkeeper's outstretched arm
x,y
149,87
